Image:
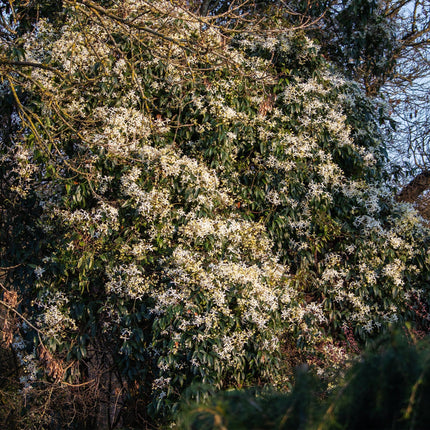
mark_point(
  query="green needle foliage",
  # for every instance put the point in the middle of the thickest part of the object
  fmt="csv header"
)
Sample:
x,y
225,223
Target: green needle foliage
x,y
388,388
257,409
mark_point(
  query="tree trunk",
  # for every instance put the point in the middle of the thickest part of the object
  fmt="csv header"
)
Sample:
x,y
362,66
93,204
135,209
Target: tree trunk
x,y
417,186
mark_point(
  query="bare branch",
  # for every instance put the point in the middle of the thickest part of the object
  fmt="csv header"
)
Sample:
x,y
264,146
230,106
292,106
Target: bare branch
x,y
4,61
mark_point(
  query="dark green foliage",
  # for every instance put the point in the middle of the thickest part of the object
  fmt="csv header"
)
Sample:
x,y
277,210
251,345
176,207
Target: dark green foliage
x,y
359,36
258,409
388,388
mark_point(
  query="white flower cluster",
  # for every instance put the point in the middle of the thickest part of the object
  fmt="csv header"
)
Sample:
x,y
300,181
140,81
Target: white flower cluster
x,y
130,282
180,220
54,317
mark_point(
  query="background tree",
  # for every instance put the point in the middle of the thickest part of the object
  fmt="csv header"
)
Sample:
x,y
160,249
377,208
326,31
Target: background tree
x,y
384,45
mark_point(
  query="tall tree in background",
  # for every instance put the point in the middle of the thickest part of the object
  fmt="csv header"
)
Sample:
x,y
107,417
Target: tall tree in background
x,y
385,46
408,92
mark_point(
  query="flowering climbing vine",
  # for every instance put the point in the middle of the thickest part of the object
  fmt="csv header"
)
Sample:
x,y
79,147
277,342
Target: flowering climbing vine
x,y
204,199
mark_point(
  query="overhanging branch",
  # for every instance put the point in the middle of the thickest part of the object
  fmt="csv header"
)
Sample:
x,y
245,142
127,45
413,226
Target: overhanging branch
x,y
4,61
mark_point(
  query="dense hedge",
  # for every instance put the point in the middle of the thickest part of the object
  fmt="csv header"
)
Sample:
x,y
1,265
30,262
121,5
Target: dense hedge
x,y
388,388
